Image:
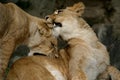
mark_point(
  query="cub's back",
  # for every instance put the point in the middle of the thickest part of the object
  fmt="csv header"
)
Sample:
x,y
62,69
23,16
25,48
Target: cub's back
x,y
37,68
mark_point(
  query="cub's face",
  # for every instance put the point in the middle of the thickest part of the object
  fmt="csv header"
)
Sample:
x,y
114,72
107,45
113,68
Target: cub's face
x,y
42,41
47,46
64,21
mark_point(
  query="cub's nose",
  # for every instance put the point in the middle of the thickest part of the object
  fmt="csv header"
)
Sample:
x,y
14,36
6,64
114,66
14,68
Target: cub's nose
x,y
46,17
49,19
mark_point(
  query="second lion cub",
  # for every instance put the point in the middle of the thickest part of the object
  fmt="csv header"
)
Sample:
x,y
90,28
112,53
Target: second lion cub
x,y
88,56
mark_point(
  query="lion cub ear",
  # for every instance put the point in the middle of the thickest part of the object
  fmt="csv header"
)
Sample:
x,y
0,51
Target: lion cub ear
x,y
78,8
44,30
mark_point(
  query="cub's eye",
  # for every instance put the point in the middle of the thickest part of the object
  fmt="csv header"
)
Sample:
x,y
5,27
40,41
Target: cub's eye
x,y
36,53
57,24
58,11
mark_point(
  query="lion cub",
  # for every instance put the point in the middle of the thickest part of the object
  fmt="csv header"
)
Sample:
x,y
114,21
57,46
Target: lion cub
x,y
41,67
38,68
88,56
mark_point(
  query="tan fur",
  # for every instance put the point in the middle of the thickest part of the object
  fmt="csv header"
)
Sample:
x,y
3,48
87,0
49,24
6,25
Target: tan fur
x,y
46,46
113,72
88,56
18,27
110,72
40,68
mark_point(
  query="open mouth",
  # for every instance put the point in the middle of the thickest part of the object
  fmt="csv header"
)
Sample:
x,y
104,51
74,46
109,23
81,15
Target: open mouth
x,y
57,24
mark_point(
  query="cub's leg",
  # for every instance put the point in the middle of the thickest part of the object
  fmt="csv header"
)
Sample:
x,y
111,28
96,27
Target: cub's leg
x,y
6,49
103,76
77,74
111,72
76,69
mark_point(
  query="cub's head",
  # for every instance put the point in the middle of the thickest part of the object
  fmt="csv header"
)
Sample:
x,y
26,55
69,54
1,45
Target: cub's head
x,y
42,41
64,21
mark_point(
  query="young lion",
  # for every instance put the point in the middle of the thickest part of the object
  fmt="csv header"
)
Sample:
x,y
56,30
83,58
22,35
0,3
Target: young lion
x,y
88,56
41,67
17,27
38,68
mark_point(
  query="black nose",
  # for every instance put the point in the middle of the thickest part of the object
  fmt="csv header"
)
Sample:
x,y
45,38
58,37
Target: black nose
x,y
46,17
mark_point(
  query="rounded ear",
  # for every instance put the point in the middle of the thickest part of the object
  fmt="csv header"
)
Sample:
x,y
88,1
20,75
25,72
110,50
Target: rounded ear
x,y
44,30
78,8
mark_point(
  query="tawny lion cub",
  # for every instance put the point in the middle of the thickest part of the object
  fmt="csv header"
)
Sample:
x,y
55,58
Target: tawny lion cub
x,y
18,27
38,68
88,56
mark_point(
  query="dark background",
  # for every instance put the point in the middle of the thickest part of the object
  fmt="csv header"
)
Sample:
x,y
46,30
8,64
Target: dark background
x,y
102,15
